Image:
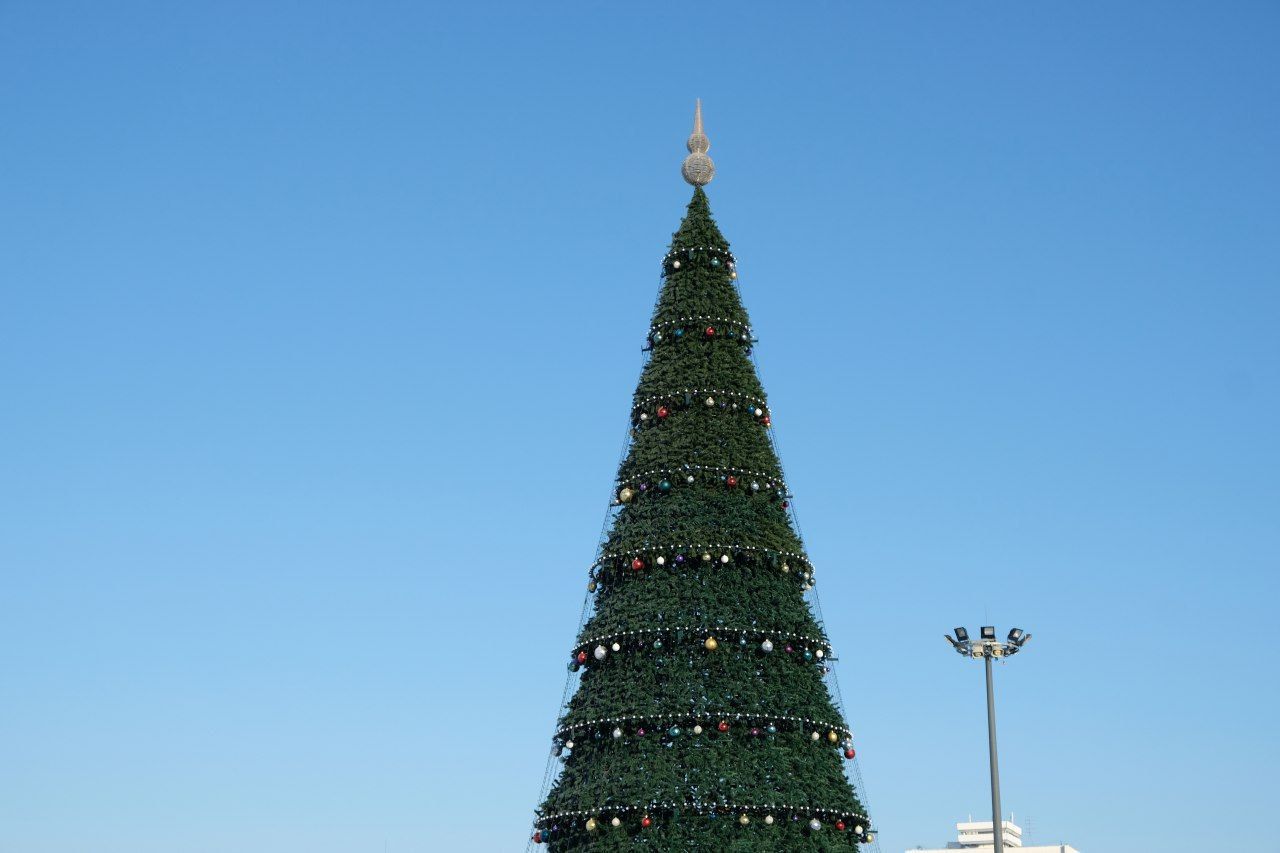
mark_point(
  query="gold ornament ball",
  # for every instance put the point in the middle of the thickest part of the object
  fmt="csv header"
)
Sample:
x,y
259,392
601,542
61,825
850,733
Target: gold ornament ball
x,y
744,820
626,495
591,824
833,737
711,644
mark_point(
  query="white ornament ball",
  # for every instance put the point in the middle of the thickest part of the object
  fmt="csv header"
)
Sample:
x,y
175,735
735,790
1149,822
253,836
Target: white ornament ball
x,y
617,821
755,487
711,401
815,736
644,416
617,647
617,733
689,479
759,412
661,561
568,744
697,730
815,825
766,646
820,653
600,652
858,829
724,558
768,819
675,265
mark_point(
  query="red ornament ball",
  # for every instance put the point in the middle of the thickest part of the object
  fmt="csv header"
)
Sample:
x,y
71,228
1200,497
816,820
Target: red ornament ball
x,y
711,331
723,726
663,412
582,657
840,825
765,420
645,822
731,481
637,564
850,753
537,837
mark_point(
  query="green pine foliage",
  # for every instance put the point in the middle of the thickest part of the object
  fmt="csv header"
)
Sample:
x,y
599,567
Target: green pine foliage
x,y
703,511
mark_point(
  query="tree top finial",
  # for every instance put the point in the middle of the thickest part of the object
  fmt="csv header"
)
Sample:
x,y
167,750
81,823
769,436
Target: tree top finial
x,y
698,168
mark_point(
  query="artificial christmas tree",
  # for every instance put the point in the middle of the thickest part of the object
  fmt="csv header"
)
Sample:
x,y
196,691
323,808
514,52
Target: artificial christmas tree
x,y
702,720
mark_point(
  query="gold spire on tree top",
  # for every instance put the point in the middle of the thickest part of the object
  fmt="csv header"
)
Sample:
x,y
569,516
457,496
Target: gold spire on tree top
x,y
698,168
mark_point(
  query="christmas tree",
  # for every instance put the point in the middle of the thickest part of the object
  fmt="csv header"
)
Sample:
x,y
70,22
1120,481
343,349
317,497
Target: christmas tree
x,y
703,720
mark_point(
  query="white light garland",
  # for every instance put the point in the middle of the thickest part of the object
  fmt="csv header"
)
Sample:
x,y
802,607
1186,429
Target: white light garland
x,y
707,631
705,808
682,321
709,717
688,252
688,549
772,481
759,402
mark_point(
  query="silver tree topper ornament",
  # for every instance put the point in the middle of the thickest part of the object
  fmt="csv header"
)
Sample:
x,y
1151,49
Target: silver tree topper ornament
x,y
698,168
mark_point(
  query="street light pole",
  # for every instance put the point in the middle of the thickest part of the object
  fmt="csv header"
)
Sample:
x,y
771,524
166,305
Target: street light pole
x,y
989,648
996,821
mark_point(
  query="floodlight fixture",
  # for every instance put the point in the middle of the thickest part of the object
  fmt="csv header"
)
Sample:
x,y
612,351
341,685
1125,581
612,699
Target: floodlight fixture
x,y
989,648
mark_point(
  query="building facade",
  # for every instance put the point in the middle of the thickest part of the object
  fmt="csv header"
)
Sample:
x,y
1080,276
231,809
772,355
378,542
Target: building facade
x,y
979,837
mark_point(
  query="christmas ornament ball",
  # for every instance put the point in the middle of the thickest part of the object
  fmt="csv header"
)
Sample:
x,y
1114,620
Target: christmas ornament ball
x,y
711,644
626,495
744,820
833,737
850,753
617,647
617,821
723,726
591,824
697,730
840,826
637,564
768,819
600,652
646,822
766,646
815,824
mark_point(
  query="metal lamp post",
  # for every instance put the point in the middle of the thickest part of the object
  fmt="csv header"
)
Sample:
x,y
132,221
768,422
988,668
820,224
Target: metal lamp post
x,y
989,648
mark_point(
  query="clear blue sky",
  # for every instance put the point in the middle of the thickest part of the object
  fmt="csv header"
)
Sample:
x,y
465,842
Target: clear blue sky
x,y
320,324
